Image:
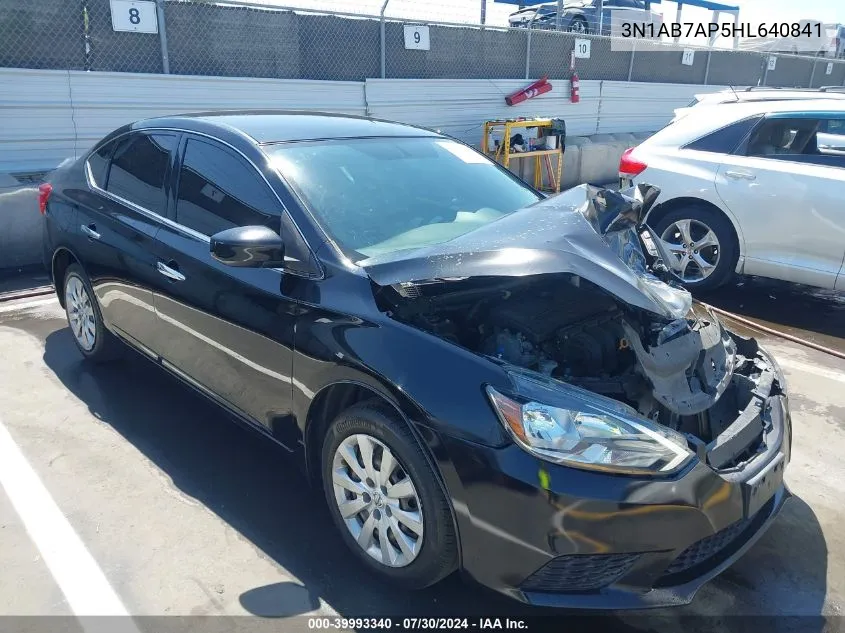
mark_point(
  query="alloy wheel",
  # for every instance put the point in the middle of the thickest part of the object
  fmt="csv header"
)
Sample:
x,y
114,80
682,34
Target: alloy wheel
x,y
694,247
80,313
378,501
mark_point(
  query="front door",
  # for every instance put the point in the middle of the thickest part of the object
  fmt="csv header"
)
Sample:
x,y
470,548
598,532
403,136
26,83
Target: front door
x,y
229,330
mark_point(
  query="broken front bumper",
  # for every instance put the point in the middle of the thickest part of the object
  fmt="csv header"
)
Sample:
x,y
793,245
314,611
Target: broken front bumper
x,y
556,536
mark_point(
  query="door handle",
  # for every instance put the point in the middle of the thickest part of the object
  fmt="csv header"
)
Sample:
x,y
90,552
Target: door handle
x,y
169,272
740,175
90,230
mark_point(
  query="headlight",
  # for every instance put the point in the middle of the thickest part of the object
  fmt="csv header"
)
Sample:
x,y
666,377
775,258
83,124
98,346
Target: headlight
x,y
592,437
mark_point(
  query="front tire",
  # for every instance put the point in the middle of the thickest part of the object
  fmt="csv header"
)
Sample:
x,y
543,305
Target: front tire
x,y
703,243
92,338
385,499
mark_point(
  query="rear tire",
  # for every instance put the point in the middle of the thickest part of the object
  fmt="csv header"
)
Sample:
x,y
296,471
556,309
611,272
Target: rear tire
x,y
89,333
702,224
390,492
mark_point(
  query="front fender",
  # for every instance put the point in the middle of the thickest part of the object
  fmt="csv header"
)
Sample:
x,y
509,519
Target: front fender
x,y
434,383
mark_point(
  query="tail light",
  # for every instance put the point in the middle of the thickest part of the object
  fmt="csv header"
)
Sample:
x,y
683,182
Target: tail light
x,y
44,191
630,166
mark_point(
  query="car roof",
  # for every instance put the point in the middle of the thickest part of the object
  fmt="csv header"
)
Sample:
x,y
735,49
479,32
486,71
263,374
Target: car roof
x,y
741,96
278,126
749,108
707,118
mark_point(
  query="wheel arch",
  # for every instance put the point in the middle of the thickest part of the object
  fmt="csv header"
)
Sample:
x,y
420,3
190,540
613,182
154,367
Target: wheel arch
x,y
336,397
569,16
327,404
662,210
62,258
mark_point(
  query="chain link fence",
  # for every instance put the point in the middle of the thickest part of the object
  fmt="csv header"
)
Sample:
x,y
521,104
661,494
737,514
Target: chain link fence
x,y
248,39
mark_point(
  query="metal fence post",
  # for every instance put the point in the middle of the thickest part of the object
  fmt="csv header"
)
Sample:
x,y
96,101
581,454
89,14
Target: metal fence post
x,y
162,36
528,47
707,67
631,63
86,34
812,74
381,35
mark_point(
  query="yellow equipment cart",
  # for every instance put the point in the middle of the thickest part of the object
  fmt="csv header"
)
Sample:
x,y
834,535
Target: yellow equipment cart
x,y
503,154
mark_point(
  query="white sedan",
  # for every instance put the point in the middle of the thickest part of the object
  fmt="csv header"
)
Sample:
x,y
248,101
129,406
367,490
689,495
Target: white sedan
x,y
753,188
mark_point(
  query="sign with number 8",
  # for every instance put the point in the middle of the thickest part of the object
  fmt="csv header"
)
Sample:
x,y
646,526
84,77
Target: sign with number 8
x,y
135,16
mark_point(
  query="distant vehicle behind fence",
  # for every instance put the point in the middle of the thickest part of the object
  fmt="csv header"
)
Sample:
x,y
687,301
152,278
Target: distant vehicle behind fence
x,y
582,16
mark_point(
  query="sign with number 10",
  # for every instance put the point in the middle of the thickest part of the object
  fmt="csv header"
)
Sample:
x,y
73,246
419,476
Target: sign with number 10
x,y
137,16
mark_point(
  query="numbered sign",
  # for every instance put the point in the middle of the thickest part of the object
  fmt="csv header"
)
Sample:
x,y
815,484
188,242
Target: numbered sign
x,y
773,62
688,57
138,16
582,49
829,69
416,38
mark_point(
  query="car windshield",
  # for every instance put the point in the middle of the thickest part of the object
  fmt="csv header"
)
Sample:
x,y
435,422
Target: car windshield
x,y
380,195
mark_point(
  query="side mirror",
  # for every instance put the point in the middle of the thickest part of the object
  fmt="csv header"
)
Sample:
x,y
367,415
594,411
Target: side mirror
x,y
248,247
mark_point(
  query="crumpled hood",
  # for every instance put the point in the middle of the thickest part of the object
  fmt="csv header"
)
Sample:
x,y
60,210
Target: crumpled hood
x,y
566,233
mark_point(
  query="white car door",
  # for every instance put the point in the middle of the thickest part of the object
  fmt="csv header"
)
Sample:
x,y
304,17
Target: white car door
x,y
786,190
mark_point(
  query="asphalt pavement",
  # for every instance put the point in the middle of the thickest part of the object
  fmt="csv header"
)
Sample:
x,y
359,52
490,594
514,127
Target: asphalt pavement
x,y
134,495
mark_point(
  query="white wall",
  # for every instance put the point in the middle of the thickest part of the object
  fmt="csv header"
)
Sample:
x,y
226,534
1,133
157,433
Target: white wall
x,y
459,107
47,116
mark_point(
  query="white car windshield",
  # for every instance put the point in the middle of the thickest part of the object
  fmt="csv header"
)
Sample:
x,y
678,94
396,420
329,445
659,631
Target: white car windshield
x,y
379,195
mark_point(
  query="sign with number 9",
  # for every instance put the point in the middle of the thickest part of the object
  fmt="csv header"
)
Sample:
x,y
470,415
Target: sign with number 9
x,y
416,38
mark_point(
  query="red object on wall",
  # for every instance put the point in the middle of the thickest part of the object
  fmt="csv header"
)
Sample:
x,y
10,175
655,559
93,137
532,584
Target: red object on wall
x,y
541,86
575,88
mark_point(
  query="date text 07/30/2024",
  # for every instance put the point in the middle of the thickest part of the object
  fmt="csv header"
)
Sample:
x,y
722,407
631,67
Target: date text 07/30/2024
x,y
415,624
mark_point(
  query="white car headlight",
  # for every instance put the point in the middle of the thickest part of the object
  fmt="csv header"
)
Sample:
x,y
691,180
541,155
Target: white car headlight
x,y
593,438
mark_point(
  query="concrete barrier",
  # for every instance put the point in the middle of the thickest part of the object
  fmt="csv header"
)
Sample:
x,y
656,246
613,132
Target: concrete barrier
x,y
593,159
20,223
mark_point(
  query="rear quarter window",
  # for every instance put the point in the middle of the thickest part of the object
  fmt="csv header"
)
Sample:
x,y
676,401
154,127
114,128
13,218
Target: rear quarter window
x,y
98,164
726,139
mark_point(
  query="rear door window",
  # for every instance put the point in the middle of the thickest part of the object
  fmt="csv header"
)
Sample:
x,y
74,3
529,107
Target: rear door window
x,y
813,139
782,137
139,169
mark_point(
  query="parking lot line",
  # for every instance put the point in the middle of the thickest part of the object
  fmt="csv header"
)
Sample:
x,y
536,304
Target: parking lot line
x,y
75,571
14,307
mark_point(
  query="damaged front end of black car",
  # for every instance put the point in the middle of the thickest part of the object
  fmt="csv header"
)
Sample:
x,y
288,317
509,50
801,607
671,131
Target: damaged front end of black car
x,y
660,437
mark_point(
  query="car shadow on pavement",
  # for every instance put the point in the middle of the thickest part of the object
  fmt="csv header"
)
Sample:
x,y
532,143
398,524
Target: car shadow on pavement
x,y
255,487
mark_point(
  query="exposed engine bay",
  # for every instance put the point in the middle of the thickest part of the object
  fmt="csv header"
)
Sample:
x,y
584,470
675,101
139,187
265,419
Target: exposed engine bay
x,y
586,305
687,374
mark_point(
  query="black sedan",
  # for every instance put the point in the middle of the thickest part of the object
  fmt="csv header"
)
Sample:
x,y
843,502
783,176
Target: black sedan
x,y
477,377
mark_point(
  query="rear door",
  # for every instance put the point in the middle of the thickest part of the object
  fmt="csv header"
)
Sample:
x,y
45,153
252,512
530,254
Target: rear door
x,y
117,228
785,188
229,330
